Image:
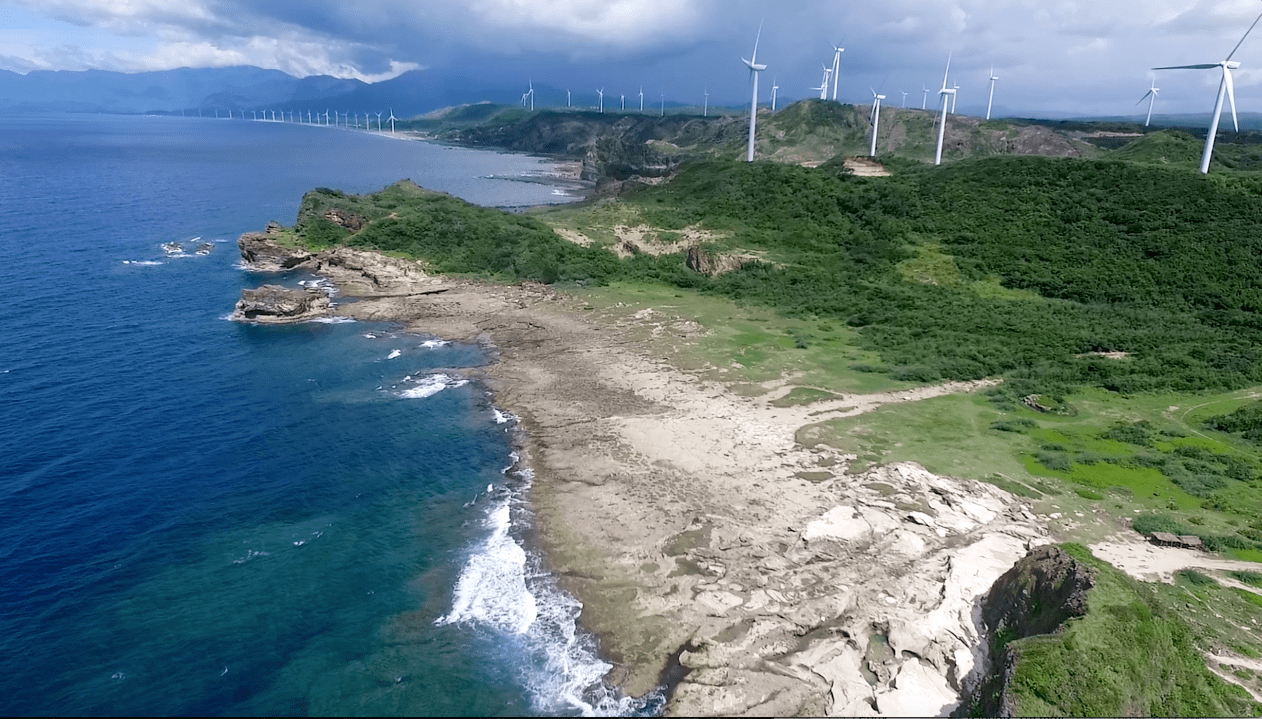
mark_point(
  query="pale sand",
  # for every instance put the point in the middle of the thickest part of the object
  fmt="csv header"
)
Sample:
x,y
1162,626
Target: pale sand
x,y
677,512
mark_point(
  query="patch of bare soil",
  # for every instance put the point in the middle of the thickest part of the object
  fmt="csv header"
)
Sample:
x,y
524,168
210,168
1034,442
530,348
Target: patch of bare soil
x,y
865,167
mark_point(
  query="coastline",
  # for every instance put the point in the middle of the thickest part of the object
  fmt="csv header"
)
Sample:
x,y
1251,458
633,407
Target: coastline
x,y
695,523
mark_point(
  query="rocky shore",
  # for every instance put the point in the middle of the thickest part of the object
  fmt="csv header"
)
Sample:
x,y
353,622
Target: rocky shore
x,y
691,522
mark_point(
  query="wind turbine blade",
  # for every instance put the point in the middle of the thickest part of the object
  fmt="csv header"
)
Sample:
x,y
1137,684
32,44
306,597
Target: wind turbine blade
x,y
1246,34
753,60
1145,97
1209,66
1231,95
946,74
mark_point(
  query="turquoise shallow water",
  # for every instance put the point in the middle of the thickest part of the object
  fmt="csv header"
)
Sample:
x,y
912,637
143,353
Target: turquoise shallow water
x,y
202,517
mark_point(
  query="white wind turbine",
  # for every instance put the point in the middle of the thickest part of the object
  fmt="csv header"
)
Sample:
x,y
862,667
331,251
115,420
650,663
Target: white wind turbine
x,y
754,69
993,78
904,98
945,92
567,97
836,67
953,96
379,121
530,94
392,118
601,92
1151,97
774,87
876,119
663,104
1225,86
705,108
924,101
823,86
641,98
624,101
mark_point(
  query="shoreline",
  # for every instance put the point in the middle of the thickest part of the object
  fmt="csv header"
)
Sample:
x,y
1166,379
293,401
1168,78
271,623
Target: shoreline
x,y
692,524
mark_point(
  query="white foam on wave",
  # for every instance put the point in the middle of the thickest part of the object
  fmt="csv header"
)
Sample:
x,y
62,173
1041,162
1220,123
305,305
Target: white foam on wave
x,y
432,385
143,263
433,344
251,554
502,417
394,353
333,320
505,588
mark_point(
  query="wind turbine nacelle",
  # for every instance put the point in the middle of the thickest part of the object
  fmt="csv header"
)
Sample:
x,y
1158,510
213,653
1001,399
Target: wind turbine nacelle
x,y
1231,64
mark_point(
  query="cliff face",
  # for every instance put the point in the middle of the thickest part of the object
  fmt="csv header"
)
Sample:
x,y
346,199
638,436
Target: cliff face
x,y
1037,596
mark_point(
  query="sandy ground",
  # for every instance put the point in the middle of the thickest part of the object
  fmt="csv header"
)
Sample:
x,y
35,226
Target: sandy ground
x,y
691,524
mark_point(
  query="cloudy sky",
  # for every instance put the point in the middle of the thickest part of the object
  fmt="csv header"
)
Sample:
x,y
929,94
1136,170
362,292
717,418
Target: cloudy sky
x,y
1052,56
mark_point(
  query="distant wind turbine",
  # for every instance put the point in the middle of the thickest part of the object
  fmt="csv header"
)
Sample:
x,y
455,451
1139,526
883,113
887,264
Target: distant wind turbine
x,y
1225,86
663,104
992,92
641,98
823,86
754,69
705,107
601,92
924,101
255,113
392,118
624,101
531,94
945,93
876,119
904,98
837,50
379,121
1151,97
774,87
953,96
567,97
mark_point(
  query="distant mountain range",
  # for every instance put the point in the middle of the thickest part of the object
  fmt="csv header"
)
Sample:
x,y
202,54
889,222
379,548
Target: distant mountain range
x,y
188,90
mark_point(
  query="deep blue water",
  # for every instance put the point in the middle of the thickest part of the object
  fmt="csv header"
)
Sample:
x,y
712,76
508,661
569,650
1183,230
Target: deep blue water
x,y
204,517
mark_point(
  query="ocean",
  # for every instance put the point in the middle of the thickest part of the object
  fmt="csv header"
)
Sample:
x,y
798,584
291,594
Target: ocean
x,y
204,517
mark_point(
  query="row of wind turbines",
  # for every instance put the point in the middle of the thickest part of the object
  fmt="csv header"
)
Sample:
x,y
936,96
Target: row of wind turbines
x,y
949,92
339,119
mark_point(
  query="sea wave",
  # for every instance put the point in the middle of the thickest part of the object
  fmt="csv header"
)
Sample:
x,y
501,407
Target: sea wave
x,y
143,263
507,589
433,344
431,385
333,320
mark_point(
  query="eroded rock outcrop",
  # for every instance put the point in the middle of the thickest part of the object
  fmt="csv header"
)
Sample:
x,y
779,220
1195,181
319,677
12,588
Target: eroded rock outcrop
x,y
262,251
1037,596
278,305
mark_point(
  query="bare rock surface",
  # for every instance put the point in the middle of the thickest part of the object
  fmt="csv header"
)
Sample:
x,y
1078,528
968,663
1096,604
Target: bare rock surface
x,y
280,305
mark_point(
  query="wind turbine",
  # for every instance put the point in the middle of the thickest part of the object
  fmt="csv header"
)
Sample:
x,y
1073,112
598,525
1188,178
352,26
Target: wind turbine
x,y
255,113
924,101
876,119
1151,97
1225,86
953,96
530,94
601,92
945,92
754,69
823,86
836,67
904,98
992,92
774,87
392,118
705,108
567,97
663,104
641,98
379,121
624,101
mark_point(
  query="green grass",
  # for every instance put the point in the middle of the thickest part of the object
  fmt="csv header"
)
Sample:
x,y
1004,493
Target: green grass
x,y
1132,654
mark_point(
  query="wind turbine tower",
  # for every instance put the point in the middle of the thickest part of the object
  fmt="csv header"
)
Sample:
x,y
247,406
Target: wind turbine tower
x,y
705,107
904,98
953,96
379,122
663,104
945,93
823,86
1225,87
924,101
601,92
624,101
774,87
641,98
567,97
754,69
992,92
1151,97
836,67
392,118
876,119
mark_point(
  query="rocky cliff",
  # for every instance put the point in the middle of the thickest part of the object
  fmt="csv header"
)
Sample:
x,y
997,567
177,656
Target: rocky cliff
x,y
1037,596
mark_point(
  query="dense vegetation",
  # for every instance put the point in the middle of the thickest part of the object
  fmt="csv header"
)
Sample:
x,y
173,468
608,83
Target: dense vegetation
x,y
1028,267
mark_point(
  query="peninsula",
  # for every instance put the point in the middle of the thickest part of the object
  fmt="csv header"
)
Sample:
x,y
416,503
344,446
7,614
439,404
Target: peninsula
x,y
790,426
